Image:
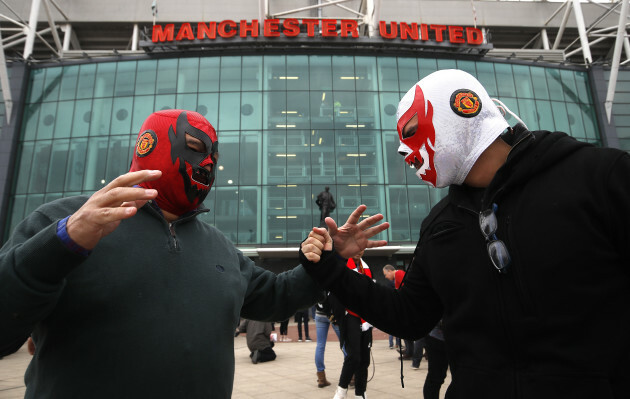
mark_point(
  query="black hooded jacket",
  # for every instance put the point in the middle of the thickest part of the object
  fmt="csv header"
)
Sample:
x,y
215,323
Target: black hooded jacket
x,y
557,324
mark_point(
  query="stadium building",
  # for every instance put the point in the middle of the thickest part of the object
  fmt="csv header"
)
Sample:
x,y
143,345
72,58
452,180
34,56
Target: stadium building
x,y
303,95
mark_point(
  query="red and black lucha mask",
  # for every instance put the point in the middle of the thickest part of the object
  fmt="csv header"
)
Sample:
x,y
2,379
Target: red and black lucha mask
x,y
161,145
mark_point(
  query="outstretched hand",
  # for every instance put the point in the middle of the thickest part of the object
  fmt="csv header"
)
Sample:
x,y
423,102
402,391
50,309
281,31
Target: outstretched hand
x,y
105,209
353,236
349,239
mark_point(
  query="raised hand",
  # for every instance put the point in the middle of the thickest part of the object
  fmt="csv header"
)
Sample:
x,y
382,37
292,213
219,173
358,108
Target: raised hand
x,y
349,239
353,236
104,210
317,241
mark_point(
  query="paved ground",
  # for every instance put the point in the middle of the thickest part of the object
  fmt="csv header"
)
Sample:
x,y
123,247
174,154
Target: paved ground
x,y
291,375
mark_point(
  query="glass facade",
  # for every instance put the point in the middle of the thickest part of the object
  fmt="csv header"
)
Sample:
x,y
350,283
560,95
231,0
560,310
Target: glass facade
x,y
288,126
621,108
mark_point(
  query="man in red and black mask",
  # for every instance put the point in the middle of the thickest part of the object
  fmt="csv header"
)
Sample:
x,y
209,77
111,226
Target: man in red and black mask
x,y
132,283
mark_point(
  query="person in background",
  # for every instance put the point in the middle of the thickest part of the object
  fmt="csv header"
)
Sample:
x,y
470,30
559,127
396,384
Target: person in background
x,y
259,342
394,342
393,275
524,260
418,353
438,362
284,330
302,318
324,319
397,276
356,335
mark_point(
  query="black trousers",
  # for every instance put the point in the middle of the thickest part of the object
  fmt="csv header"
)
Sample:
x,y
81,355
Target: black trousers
x,y
284,327
438,364
302,317
265,355
357,360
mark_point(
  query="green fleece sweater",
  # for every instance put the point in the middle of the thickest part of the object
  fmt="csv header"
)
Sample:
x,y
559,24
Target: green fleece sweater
x,y
150,313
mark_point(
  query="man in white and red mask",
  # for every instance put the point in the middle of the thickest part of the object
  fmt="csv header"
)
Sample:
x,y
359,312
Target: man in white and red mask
x,y
525,259
128,294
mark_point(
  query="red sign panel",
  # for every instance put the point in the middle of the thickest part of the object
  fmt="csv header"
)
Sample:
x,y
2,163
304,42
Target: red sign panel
x,y
328,28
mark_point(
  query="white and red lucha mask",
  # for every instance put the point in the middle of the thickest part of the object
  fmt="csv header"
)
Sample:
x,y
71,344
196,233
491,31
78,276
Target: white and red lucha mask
x,y
457,121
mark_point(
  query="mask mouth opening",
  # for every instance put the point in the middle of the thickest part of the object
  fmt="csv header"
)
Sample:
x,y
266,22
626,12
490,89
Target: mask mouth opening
x,y
201,176
413,159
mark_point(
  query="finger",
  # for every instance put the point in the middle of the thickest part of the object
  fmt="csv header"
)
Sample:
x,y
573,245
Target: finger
x,y
119,196
329,242
104,216
318,241
318,236
369,221
321,231
356,214
376,243
312,257
332,226
132,178
326,239
136,204
371,232
311,248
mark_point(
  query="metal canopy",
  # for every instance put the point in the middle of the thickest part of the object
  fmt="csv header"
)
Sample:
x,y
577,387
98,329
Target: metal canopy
x,y
584,43
366,13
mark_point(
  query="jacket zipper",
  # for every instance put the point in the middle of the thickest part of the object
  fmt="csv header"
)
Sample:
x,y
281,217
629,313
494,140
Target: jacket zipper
x,y
171,229
173,241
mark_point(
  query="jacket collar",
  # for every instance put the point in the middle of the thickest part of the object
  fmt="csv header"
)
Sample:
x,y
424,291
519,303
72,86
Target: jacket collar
x,y
155,210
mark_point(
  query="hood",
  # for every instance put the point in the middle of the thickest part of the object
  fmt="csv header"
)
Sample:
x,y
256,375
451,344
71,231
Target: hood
x,y
532,153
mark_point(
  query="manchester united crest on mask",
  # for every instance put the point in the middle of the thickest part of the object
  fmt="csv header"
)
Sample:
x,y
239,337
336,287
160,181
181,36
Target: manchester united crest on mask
x,y
146,143
465,103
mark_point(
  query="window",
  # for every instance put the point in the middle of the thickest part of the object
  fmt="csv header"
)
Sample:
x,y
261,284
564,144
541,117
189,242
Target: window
x,y
288,125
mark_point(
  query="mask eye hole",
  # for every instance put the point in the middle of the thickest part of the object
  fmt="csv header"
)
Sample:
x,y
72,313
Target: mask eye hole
x,y
410,127
195,144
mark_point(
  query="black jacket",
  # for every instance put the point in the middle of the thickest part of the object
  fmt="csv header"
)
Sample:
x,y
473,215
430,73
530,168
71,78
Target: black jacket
x,y
557,325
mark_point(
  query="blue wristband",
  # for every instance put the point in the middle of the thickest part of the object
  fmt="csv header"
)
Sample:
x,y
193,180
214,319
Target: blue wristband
x,y
62,233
